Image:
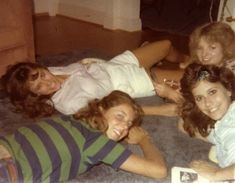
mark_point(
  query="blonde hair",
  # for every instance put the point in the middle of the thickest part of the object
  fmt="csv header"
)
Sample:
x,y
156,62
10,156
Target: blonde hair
x,y
215,32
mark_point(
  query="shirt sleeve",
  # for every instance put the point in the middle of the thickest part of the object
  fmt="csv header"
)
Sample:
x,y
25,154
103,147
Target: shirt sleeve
x,y
229,146
71,106
106,151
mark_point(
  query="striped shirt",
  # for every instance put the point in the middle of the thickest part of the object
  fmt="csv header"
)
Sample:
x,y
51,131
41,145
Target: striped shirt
x,y
60,148
223,136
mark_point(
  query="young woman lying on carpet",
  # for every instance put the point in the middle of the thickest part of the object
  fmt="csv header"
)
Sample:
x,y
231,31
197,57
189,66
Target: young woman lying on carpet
x,y
36,90
208,113
61,147
210,44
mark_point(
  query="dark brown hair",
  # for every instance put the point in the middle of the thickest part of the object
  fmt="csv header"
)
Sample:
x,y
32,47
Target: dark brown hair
x,y
215,32
194,119
15,82
92,114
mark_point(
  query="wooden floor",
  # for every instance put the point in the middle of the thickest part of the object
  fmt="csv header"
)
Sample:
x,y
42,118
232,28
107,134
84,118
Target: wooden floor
x,y
61,34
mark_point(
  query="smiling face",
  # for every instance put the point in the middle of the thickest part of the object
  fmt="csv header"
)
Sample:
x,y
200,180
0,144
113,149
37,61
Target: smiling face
x,y
210,53
213,99
43,82
120,119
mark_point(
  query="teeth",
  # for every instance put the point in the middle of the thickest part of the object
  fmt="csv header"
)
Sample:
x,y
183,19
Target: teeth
x,y
212,110
117,132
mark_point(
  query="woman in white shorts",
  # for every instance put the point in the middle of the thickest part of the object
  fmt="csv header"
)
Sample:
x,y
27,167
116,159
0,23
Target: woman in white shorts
x,y
37,90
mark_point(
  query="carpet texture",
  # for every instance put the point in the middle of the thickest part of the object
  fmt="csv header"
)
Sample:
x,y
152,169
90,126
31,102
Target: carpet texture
x,y
177,148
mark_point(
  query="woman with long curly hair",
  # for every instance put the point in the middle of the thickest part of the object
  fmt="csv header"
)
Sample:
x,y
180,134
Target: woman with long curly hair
x,y
208,110
37,90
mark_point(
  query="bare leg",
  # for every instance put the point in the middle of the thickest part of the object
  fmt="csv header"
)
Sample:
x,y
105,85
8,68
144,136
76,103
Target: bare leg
x,y
152,53
162,110
161,75
176,57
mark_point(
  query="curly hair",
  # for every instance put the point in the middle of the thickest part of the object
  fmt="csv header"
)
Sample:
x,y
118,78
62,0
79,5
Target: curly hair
x,y
194,119
215,32
15,82
92,113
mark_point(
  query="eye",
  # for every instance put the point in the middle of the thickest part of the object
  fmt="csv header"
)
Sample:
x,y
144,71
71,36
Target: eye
x,y
213,47
119,116
34,76
198,98
199,48
42,74
212,92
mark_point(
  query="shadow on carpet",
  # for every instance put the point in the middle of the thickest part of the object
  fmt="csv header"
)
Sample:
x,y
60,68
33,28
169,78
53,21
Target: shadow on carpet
x,y
177,148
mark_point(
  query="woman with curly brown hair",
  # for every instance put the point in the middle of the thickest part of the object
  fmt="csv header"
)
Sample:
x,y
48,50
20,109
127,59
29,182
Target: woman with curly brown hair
x,y
37,90
208,110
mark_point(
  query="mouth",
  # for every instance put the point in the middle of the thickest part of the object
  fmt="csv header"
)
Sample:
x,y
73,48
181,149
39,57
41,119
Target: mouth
x,y
117,132
206,59
212,110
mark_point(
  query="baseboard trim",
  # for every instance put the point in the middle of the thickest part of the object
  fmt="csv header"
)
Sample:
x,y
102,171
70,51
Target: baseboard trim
x,y
41,14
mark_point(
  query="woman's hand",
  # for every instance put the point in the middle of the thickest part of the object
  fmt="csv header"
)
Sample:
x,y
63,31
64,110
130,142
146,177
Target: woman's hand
x,y
89,61
213,172
136,135
165,91
205,169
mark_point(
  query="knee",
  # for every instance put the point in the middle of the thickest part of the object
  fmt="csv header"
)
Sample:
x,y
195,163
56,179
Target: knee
x,y
167,43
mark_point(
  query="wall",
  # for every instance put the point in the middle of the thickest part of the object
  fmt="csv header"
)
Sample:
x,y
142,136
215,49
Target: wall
x,y
111,14
122,14
41,6
46,6
227,11
87,10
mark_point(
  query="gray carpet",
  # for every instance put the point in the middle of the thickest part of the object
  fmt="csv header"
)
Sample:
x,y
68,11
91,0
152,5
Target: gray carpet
x,y
177,148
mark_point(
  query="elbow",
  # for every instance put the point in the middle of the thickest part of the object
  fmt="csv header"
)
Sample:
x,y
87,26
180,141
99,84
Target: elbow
x,y
162,173
158,172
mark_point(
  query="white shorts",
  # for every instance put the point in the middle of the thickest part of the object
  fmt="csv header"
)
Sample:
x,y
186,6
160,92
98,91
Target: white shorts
x,y
128,76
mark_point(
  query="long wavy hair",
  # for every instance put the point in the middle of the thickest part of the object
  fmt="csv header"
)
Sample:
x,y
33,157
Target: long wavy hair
x,y
92,113
194,119
215,32
15,81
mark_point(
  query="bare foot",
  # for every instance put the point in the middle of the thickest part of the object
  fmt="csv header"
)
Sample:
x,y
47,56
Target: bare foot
x,y
170,109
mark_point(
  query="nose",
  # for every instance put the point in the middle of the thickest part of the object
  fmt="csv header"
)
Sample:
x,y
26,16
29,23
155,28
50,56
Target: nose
x,y
208,102
46,83
205,53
